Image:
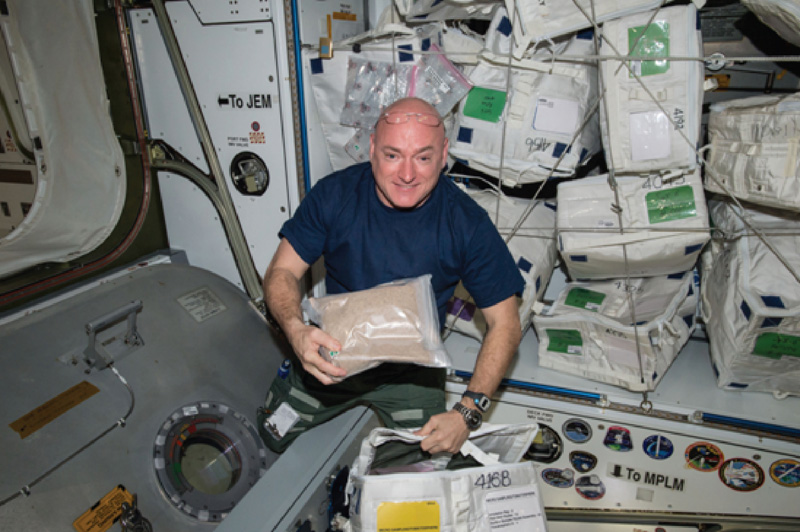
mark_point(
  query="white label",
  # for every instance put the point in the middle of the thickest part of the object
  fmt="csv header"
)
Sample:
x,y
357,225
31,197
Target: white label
x,y
201,304
650,137
556,115
515,510
281,421
575,350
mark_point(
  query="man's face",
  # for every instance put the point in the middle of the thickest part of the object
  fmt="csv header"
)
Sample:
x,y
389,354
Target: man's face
x,y
407,159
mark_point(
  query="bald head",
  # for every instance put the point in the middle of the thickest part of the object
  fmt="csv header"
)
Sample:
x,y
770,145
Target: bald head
x,y
411,106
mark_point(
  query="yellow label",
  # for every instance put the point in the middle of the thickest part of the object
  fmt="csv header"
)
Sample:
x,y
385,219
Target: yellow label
x,y
723,81
414,516
105,512
44,414
338,15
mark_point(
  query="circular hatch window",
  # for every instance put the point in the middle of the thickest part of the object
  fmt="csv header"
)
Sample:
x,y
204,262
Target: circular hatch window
x,y
207,457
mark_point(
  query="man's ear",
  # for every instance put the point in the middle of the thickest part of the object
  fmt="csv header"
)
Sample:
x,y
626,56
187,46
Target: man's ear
x,y
444,150
371,145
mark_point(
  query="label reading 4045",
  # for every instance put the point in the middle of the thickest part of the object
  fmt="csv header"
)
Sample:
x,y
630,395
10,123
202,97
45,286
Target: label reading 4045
x,y
496,479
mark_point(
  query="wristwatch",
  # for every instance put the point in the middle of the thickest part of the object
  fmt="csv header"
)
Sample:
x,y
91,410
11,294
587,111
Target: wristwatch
x,y
482,402
472,418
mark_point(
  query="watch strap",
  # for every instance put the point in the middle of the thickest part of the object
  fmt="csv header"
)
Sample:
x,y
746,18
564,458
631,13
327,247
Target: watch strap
x,y
481,401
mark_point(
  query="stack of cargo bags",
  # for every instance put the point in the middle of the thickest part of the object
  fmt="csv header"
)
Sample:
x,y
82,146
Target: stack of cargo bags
x,y
751,275
525,102
630,239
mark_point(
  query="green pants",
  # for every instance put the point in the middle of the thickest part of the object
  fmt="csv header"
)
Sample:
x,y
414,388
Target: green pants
x,y
403,396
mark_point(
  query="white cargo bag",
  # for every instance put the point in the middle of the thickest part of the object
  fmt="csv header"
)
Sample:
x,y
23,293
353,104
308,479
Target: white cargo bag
x,y
328,79
665,222
646,129
421,10
538,20
751,302
753,150
589,330
535,118
783,16
533,248
503,493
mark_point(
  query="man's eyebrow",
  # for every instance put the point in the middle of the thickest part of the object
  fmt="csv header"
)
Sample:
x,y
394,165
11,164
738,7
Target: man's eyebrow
x,y
398,150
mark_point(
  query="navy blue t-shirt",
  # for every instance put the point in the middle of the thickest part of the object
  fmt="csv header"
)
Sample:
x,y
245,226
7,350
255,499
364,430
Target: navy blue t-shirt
x,y
365,243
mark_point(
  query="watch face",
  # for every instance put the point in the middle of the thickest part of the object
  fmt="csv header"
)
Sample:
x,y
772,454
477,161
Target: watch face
x,y
472,418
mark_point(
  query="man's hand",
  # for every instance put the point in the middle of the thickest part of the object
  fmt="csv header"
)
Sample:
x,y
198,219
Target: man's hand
x,y
445,432
306,342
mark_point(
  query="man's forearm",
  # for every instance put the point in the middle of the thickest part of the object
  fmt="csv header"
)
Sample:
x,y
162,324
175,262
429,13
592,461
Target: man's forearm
x,y
495,357
282,296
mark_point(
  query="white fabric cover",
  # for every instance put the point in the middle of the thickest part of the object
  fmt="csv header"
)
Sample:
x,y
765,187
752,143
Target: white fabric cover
x,y
665,222
80,186
588,331
461,501
537,20
533,248
751,302
536,116
783,16
638,136
754,150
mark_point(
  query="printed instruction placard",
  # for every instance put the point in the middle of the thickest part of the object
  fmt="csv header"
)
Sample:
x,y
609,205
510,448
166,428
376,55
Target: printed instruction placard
x,y
515,510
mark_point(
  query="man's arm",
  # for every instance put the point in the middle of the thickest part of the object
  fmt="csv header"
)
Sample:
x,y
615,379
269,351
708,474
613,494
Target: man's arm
x,y
282,295
448,431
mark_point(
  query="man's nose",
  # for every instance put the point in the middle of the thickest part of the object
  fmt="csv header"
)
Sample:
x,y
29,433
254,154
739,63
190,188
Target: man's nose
x,y
407,171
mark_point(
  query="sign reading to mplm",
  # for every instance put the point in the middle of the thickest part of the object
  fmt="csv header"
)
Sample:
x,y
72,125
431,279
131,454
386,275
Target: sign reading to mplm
x,y
646,477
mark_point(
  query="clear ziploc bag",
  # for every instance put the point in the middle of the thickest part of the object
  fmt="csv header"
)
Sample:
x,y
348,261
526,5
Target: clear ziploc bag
x,y
437,81
392,322
371,87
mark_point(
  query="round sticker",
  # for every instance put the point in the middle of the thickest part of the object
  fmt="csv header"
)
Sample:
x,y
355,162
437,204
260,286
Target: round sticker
x,y
577,430
741,474
559,478
657,447
618,439
582,461
590,487
703,456
256,126
786,472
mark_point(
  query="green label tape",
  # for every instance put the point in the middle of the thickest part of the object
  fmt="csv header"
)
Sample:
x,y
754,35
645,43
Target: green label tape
x,y
649,41
670,204
585,299
567,341
485,104
775,345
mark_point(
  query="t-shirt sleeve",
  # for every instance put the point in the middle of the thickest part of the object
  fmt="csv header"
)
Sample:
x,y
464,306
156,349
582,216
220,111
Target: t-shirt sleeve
x,y
307,230
491,275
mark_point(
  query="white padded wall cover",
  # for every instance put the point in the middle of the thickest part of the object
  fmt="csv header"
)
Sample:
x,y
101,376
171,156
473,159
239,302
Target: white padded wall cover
x,y
589,332
665,223
753,152
647,121
534,251
751,301
80,187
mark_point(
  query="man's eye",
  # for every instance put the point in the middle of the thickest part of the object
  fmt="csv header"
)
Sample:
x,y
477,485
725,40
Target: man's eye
x,y
391,156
